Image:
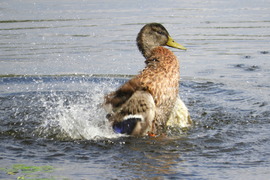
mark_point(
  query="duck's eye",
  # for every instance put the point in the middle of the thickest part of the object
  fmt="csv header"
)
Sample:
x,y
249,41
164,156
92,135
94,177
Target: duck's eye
x,y
160,32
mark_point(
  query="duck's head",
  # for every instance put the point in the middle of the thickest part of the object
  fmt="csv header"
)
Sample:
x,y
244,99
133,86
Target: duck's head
x,y
153,35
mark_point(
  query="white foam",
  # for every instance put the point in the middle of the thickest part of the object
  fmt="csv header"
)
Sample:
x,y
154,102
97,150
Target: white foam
x,y
79,118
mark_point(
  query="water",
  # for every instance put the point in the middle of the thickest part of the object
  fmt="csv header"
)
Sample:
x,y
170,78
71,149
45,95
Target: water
x,y
58,59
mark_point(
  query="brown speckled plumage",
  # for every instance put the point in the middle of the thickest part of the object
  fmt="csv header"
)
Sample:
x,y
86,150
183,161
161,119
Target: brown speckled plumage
x,y
161,79
153,92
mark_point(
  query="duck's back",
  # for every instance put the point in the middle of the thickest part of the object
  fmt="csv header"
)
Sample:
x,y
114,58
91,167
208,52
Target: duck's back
x,y
161,79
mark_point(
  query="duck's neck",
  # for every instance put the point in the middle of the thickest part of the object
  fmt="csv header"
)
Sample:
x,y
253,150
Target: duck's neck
x,y
146,51
144,46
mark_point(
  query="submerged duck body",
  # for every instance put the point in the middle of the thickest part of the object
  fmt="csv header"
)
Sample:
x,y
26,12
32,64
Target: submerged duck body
x,y
145,103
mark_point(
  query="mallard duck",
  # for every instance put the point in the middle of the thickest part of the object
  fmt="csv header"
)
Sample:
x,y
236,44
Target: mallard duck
x,y
149,102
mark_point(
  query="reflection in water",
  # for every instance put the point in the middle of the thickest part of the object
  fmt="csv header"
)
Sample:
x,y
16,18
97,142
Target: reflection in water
x,y
150,158
163,164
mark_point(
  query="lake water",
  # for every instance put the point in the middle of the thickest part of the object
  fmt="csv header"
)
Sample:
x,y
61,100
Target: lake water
x,y
59,58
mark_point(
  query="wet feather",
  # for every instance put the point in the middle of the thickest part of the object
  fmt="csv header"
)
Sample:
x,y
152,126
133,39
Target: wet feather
x,y
153,93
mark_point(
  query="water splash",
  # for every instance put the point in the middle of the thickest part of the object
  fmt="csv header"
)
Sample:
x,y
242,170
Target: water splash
x,y
77,115
64,107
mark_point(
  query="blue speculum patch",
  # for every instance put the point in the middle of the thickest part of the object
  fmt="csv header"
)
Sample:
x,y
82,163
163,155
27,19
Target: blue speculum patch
x,y
126,126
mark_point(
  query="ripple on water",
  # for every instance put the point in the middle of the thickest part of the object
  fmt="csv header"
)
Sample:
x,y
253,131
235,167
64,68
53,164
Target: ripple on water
x,y
68,125
248,67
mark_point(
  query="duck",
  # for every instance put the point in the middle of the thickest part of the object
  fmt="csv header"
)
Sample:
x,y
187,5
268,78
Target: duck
x,y
149,103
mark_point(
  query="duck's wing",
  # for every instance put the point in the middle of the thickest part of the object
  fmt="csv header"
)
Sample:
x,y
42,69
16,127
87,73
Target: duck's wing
x,y
117,98
136,115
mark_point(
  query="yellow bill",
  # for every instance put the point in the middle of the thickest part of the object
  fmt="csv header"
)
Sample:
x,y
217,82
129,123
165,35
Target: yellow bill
x,y
174,44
